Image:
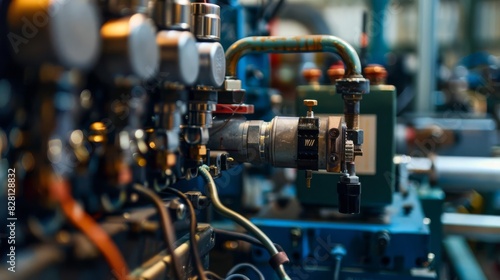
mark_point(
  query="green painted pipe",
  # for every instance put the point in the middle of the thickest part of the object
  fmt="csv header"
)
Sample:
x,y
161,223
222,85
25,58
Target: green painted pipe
x,y
297,44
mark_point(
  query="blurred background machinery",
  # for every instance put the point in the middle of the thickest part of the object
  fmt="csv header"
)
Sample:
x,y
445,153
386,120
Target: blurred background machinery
x,y
176,139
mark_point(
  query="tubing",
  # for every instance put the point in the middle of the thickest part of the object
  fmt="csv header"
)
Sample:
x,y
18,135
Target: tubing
x,y
60,191
461,173
242,221
297,44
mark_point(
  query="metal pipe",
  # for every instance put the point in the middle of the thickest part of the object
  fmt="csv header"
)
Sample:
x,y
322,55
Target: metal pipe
x,y
462,259
461,173
275,142
427,52
472,226
297,44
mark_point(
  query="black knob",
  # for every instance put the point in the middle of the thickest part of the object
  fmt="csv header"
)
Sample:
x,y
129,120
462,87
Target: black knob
x,y
349,193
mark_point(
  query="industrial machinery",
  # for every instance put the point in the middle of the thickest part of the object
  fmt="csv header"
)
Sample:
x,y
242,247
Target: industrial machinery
x,y
109,104
391,235
124,123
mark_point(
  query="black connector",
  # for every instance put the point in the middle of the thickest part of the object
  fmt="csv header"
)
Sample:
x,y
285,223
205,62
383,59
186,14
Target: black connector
x,y
198,200
349,194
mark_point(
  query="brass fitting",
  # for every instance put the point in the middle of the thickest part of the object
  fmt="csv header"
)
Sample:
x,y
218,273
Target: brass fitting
x,y
98,132
197,152
310,103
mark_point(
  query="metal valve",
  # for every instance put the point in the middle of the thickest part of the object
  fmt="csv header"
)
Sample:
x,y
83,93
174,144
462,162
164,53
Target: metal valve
x,y
349,187
309,142
310,103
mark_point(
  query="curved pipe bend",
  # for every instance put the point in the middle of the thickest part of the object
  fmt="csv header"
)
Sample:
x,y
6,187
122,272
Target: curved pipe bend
x,y
296,44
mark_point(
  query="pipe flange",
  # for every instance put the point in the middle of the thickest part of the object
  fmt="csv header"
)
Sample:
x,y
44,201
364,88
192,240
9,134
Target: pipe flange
x,y
353,86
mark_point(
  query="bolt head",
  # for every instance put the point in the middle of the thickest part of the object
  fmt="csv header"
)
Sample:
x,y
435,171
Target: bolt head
x,y
334,132
333,158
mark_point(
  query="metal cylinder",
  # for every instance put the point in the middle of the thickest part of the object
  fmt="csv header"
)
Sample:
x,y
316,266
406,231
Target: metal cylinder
x,y
351,111
461,173
205,21
200,107
172,14
129,47
200,113
179,57
64,33
258,142
212,61
126,7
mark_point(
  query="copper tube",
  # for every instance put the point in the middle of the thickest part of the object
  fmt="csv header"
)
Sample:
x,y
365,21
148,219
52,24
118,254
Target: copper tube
x,y
60,191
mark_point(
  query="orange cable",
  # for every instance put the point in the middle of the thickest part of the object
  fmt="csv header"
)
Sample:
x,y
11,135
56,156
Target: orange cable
x,y
59,190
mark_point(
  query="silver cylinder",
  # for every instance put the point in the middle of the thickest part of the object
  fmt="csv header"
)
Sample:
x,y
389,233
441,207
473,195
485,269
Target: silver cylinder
x,y
461,173
172,14
64,33
179,57
260,142
129,47
212,64
205,21
200,113
127,7
468,172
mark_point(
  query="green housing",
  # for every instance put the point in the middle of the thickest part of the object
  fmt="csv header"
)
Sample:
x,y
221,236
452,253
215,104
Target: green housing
x,y
376,189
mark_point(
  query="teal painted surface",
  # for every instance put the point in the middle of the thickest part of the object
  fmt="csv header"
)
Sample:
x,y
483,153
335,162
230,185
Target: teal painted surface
x,y
432,200
378,46
462,259
376,189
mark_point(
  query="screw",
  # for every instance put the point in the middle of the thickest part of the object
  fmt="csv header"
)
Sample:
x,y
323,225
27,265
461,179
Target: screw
x,y
310,103
333,158
334,133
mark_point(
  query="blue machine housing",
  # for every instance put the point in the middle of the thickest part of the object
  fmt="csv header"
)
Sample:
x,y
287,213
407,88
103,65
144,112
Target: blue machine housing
x,y
396,246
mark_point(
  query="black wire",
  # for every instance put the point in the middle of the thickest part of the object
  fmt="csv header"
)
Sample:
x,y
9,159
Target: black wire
x,y
213,275
193,247
166,224
244,237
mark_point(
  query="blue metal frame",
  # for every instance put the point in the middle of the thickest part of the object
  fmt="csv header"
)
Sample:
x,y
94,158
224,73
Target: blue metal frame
x,y
404,256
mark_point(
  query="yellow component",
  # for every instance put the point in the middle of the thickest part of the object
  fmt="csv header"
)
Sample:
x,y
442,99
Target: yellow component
x,y
96,138
308,178
152,145
310,103
98,126
141,161
170,159
476,203
97,132
462,209
198,152
231,245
